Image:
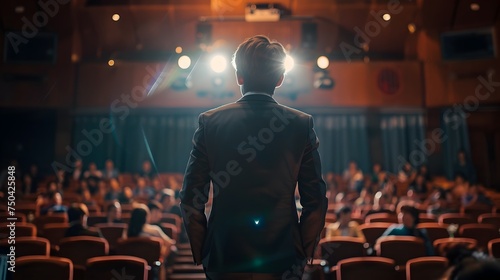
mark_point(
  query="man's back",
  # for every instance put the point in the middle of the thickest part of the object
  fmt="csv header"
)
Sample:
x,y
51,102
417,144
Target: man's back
x,y
255,151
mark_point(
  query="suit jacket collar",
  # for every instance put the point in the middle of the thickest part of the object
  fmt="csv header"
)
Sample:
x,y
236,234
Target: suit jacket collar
x,y
257,97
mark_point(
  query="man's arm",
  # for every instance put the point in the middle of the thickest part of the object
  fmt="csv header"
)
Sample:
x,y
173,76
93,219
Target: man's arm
x,y
312,191
194,193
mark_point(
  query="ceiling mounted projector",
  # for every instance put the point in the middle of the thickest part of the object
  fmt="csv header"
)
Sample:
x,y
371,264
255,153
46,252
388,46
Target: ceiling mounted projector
x,y
261,12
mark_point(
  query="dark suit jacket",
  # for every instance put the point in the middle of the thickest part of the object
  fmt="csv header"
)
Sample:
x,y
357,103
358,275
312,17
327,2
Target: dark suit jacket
x,y
78,230
254,151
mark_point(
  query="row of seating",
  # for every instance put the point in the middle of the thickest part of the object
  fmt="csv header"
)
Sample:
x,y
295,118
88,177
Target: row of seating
x,y
450,218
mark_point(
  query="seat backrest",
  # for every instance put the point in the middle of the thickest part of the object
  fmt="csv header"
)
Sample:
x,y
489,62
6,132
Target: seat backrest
x,y
425,268
112,232
373,231
483,233
55,232
444,244
400,248
171,230
476,210
453,218
494,248
335,249
21,218
95,219
490,218
116,267
148,248
373,268
381,218
171,219
22,230
56,218
434,230
29,246
42,267
427,218
81,248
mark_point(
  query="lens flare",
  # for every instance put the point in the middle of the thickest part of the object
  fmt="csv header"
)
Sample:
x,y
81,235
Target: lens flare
x,y
184,62
218,63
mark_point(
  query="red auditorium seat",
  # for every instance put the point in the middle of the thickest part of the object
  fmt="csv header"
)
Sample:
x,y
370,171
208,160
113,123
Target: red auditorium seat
x,y
427,218
372,268
381,218
442,245
29,246
483,233
476,210
373,231
57,218
112,232
330,218
81,248
426,268
41,267
171,230
22,230
55,232
435,230
95,219
400,248
490,218
172,219
335,249
21,218
151,249
26,208
115,267
454,218
494,248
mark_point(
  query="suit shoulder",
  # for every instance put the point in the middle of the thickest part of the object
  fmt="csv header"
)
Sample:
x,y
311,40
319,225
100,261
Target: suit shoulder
x,y
221,108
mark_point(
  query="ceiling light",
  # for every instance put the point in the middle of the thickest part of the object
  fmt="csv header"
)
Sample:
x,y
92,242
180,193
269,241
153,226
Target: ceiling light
x,y
475,7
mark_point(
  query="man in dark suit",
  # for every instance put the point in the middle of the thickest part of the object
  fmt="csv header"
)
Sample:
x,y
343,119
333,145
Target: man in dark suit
x,y
254,152
77,216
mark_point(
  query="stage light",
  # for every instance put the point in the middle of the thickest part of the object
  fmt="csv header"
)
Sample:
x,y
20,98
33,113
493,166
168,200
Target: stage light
x,y
386,17
475,7
412,28
111,63
289,63
218,63
115,17
323,62
178,50
184,62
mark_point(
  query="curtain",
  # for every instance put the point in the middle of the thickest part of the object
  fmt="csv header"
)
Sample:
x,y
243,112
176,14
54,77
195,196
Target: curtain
x,y
454,125
401,138
164,138
343,137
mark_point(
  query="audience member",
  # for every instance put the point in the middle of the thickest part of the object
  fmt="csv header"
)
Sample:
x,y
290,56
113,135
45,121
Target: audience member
x,y
113,192
53,205
354,177
409,219
344,225
140,226
114,213
146,171
465,167
110,172
126,195
407,173
142,190
77,216
167,200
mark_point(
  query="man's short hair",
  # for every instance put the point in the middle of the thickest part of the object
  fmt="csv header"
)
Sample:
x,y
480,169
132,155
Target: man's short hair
x,y
77,211
260,62
344,210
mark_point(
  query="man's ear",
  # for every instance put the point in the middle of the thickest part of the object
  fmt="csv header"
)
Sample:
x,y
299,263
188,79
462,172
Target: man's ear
x,y
239,79
280,81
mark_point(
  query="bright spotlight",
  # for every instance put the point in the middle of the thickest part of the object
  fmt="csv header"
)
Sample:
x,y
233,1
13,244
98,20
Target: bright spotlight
x,y
111,63
323,62
115,17
178,49
218,63
386,17
184,62
289,63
